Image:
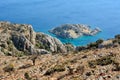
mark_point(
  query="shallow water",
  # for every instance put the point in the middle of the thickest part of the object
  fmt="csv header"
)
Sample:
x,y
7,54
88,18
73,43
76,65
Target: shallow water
x,y
46,14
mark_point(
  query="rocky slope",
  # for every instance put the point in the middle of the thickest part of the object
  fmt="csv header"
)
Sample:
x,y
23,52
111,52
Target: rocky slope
x,y
99,60
90,64
17,39
74,30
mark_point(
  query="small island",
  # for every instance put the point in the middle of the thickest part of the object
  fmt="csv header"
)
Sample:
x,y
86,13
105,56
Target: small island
x,y
74,31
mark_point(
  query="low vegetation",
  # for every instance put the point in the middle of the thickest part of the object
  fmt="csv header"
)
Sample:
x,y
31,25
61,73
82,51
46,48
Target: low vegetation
x,y
9,68
56,68
27,76
106,60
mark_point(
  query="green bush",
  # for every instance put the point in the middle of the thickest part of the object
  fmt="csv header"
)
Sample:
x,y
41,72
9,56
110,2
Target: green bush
x,y
57,68
19,79
106,60
115,41
92,64
92,45
116,67
117,36
19,54
27,77
9,68
40,45
80,69
99,41
95,44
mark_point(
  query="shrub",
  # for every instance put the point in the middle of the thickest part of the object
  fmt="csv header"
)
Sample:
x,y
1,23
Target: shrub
x,y
80,69
92,45
40,45
19,54
117,36
9,42
80,48
10,47
92,64
116,67
26,75
25,66
19,79
106,60
88,74
57,68
99,41
95,44
9,68
8,53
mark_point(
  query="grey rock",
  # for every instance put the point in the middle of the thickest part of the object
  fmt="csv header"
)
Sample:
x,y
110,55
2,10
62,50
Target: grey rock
x,y
16,38
21,42
41,51
53,44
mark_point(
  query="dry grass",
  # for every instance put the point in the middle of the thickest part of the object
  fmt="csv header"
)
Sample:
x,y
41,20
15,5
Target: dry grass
x,y
52,67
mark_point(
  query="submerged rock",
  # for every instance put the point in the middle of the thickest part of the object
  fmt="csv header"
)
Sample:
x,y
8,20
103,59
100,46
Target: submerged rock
x,y
74,30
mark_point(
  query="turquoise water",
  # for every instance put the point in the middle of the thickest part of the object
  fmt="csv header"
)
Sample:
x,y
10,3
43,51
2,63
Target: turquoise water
x,y
46,14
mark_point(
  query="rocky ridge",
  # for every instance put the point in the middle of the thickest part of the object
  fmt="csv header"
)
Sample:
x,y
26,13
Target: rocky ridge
x,y
74,31
21,38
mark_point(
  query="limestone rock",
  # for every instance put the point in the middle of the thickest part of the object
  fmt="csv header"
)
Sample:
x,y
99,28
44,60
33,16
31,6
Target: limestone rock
x,y
22,37
49,43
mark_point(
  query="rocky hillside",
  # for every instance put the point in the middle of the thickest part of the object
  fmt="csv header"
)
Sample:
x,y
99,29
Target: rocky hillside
x,y
20,39
99,60
74,31
90,64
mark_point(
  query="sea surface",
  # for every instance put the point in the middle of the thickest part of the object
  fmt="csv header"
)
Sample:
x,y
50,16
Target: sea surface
x,y
46,14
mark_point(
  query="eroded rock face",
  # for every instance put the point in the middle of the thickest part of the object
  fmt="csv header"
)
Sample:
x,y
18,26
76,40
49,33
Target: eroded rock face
x,y
49,43
74,30
22,37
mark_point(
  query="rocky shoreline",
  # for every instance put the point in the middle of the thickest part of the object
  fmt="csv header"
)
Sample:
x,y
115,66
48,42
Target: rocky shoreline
x,y
74,31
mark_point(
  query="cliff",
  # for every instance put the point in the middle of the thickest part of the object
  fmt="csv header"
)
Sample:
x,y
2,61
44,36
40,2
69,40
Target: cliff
x,y
74,31
17,39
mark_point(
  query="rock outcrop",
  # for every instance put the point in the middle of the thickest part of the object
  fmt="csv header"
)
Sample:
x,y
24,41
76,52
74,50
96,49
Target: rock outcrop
x,y
74,30
19,38
49,43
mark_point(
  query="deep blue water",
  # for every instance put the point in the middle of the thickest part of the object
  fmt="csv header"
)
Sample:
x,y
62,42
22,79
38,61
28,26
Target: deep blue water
x,y
46,14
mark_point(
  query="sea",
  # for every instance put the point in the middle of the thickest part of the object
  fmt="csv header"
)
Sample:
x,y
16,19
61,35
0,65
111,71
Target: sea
x,y
44,15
